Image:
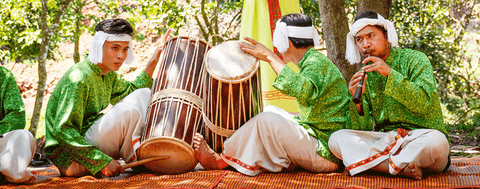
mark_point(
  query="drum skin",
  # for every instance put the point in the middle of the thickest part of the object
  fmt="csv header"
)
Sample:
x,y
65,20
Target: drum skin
x,y
174,114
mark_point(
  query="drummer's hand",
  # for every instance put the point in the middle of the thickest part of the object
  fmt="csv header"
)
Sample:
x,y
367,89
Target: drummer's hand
x,y
257,49
112,169
152,63
161,44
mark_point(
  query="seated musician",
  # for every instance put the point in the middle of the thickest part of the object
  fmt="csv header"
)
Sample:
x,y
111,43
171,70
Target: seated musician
x,y
80,138
399,110
276,140
17,146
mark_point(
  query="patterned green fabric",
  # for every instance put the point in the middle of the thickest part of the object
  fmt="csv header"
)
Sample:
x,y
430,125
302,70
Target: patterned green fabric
x,y
75,105
12,111
322,97
407,98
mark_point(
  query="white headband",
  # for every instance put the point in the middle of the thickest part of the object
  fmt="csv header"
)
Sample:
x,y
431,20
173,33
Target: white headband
x,y
96,47
282,32
352,53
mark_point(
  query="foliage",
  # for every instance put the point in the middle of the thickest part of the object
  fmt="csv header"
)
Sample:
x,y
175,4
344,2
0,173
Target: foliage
x,y
171,13
19,30
110,9
219,20
311,9
350,9
210,17
437,28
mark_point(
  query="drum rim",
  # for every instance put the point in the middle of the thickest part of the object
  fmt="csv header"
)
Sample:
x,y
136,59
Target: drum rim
x,y
253,72
145,142
190,37
183,144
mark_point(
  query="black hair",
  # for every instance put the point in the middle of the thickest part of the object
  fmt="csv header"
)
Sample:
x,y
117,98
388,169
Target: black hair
x,y
374,15
366,14
115,26
297,19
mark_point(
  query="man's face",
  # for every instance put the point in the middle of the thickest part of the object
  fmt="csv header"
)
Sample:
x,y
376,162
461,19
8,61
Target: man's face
x,y
114,53
372,41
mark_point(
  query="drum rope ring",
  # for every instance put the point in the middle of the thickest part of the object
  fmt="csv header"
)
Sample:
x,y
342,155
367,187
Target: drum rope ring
x,y
179,93
217,129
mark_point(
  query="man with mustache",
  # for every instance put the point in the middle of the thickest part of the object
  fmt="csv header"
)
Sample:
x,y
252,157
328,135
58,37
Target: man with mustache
x,y
399,113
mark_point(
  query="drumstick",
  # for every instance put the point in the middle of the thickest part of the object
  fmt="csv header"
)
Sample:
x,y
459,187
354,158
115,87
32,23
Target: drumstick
x,y
137,163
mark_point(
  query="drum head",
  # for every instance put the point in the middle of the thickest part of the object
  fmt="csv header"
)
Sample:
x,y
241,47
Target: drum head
x,y
182,156
227,62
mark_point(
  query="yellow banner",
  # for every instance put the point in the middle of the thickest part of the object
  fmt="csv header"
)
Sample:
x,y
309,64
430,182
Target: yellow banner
x,y
256,24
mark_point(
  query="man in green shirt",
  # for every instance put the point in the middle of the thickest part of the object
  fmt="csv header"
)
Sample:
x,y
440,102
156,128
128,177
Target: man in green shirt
x,y
399,110
81,139
17,146
276,140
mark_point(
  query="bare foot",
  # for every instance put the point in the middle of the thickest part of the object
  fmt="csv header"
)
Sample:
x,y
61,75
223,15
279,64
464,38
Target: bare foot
x,y
208,158
413,171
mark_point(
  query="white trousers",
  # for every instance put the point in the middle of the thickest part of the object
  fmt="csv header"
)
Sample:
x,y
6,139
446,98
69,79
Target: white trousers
x,y
362,150
271,141
115,131
16,151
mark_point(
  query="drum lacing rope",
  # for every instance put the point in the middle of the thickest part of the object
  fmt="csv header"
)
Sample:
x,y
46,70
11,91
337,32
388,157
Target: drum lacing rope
x,y
216,129
178,93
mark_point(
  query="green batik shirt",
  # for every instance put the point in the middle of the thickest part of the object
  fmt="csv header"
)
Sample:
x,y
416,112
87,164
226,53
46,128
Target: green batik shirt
x,y
12,112
75,105
322,97
406,99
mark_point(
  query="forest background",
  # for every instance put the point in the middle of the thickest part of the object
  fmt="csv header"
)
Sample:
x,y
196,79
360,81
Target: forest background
x,y
41,39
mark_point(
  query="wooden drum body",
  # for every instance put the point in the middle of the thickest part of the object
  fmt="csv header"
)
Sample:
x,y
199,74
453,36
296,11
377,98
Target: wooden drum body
x,y
232,92
174,114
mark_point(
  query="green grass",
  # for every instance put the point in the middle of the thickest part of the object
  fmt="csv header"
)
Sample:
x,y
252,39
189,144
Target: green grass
x,y
462,154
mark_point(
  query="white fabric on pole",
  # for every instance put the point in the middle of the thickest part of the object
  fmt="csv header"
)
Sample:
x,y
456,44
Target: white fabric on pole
x,y
17,148
352,53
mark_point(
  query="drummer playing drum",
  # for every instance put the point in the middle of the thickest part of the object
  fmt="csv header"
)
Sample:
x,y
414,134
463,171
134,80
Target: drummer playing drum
x,y
80,139
275,140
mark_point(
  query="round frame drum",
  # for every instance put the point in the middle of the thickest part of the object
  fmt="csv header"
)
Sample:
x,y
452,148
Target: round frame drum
x,y
232,92
174,113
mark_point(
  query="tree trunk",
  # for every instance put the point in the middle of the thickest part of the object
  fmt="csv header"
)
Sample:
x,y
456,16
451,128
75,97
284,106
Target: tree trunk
x,y
335,29
77,33
47,33
381,7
